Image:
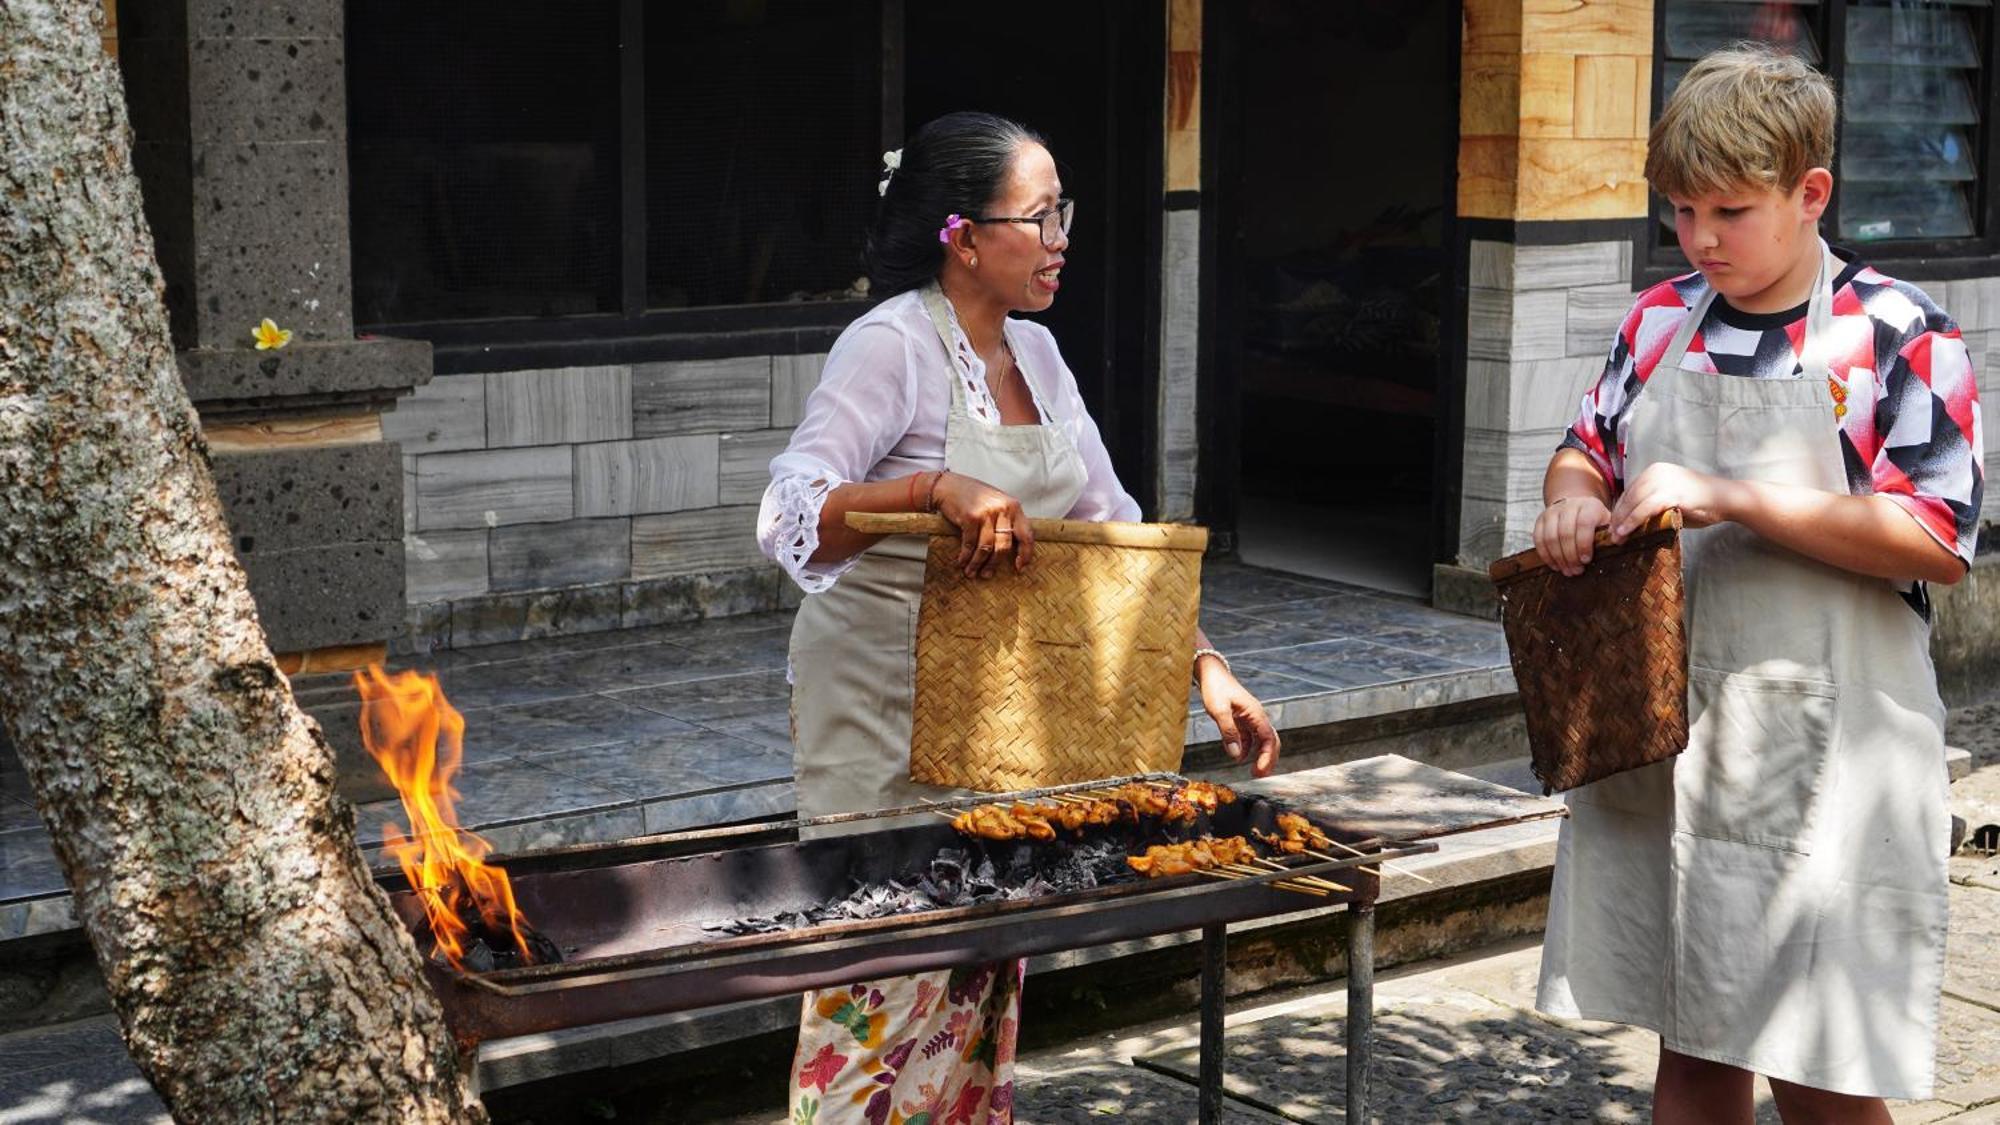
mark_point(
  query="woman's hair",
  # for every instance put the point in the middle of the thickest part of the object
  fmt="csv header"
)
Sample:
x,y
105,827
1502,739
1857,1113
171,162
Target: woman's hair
x,y
1745,117
954,165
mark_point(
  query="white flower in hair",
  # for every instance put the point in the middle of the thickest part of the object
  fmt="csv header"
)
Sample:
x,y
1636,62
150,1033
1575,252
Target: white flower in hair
x,y
890,162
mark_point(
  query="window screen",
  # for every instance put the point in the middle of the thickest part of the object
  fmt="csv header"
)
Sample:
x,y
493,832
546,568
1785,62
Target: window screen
x,y
763,148
483,157
1912,102
1910,151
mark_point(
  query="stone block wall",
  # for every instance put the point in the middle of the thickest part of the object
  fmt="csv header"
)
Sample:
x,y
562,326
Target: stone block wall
x,y
1539,324
588,498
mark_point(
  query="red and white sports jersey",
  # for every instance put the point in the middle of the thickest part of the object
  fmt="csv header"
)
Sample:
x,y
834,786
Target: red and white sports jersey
x,y
1911,429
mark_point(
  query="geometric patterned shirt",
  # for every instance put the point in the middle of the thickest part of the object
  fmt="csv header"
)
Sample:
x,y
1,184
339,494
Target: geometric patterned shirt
x,y
1910,431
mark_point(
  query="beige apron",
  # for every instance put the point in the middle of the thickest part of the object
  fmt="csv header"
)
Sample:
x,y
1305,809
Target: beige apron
x,y
1774,898
854,650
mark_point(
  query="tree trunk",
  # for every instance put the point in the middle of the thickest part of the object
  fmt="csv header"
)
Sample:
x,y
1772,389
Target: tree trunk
x,y
256,969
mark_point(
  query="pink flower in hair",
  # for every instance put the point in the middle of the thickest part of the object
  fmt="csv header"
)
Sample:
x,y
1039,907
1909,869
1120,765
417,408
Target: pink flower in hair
x,y
951,223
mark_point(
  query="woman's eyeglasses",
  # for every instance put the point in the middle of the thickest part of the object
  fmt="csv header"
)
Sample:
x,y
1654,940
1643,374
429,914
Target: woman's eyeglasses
x,y
1054,222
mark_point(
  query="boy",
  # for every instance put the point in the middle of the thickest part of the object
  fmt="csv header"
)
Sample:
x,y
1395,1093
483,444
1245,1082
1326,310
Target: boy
x,y
1772,901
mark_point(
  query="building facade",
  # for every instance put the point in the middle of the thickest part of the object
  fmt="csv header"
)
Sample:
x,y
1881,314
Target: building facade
x,y
562,275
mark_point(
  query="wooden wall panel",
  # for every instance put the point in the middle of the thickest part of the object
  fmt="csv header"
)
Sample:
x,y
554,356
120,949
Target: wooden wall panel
x,y
1588,27
1489,103
1554,104
1491,27
1548,95
1581,179
1613,95
1488,171
1183,94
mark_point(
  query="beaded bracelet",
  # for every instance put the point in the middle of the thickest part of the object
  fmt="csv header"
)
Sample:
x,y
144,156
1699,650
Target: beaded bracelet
x,y
1201,652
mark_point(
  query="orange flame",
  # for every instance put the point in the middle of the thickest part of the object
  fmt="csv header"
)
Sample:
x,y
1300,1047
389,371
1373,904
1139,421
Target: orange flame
x,y
418,740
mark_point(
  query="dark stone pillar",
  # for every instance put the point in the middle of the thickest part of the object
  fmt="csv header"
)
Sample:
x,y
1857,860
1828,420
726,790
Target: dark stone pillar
x,y
239,118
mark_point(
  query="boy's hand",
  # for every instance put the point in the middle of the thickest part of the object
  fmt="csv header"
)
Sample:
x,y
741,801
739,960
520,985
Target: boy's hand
x,y
1702,499
1565,531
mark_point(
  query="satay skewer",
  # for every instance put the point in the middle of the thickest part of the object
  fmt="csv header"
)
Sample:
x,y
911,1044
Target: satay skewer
x,y
1349,848
1320,888
1298,888
1274,865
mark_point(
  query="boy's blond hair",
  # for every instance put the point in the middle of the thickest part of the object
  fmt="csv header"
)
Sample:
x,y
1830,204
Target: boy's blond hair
x,y
1745,117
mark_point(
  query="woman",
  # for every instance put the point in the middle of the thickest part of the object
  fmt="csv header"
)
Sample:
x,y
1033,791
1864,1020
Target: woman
x,y
935,401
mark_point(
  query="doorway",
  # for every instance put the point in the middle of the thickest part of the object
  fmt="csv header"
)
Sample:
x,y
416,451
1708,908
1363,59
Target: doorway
x,y
1333,214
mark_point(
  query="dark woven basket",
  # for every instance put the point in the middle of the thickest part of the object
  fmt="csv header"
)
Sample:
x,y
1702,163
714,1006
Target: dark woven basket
x,y
1601,659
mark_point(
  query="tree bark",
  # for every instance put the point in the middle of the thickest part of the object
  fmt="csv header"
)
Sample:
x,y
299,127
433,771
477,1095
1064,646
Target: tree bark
x,y
257,971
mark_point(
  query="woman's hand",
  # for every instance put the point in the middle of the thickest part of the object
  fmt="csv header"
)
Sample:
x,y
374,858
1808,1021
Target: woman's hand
x,y
990,522
1702,499
1566,531
1237,715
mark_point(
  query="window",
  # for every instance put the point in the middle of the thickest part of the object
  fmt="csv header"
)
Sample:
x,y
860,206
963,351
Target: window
x,y
762,150
483,156
1911,138
601,161
1915,94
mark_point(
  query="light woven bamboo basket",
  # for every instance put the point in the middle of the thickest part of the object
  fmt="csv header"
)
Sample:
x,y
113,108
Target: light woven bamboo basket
x,y
1075,670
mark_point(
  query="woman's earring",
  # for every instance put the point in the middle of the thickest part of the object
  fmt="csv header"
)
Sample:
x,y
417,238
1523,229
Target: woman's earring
x,y
974,263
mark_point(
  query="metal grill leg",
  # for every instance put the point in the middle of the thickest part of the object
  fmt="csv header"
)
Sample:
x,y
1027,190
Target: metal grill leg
x,y
1360,1007
1214,958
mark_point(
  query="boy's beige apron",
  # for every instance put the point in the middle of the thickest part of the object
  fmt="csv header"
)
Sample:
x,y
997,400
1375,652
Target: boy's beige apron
x,y
1775,897
853,657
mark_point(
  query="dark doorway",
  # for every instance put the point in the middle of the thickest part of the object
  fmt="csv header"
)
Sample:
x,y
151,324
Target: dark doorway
x,y
1088,76
1332,218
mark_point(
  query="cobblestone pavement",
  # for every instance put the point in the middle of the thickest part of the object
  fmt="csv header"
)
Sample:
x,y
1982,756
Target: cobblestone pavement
x,y
1459,1041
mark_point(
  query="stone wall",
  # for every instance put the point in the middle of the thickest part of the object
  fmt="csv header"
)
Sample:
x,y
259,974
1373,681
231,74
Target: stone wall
x,y
588,498
1539,324
239,140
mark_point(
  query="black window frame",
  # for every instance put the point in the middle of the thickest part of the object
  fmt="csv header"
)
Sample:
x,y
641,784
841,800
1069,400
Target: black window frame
x,y
1914,259
636,332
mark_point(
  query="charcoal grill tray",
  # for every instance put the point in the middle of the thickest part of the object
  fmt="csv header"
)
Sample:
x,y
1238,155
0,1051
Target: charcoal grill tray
x,y
625,926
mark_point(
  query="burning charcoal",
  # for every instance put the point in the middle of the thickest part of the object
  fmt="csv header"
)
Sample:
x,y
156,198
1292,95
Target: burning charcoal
x,y
544,951
478,958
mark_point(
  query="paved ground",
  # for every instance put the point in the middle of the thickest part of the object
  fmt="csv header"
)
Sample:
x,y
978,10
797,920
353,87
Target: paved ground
x,y
605,736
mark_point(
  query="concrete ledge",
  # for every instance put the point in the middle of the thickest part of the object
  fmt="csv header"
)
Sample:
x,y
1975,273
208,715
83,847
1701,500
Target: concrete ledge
x,y
222,380
1463,590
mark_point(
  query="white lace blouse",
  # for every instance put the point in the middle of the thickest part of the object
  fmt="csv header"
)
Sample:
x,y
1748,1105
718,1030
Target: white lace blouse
x,y
879,412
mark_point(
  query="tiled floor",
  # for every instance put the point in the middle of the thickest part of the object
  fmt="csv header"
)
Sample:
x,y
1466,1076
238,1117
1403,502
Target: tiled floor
x,y
608,735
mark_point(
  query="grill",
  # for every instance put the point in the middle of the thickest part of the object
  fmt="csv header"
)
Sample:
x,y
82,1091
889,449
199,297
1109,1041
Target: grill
x,y
630,917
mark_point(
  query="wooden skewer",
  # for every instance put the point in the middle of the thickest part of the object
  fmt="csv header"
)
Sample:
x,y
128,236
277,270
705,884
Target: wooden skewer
x,y
1301,888
1349,848
1309,879
1375,871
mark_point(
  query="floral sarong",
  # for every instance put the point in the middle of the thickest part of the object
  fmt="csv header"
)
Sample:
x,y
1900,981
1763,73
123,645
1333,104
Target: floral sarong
x,y
931,1049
